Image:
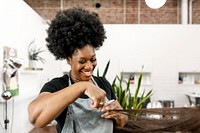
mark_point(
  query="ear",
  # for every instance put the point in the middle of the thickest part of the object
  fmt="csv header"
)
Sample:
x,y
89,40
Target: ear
x,y
69,60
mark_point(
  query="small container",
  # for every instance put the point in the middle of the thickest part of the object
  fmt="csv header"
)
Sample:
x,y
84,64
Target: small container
x,y
131,78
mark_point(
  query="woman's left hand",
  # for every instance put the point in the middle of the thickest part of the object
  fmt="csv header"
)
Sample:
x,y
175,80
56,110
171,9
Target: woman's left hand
x,y
120,119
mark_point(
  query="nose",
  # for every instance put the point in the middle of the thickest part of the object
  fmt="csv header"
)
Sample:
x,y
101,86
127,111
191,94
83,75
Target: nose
x,y
89,65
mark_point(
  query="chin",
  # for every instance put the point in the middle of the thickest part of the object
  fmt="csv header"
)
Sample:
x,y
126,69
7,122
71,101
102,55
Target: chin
x,y
86,78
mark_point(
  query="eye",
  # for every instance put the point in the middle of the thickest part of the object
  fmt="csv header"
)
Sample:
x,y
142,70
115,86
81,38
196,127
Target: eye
x,y
93,59
82,61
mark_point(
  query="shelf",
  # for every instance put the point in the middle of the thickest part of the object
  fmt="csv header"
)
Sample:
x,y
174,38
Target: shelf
x,y
30,71
189,78
134,76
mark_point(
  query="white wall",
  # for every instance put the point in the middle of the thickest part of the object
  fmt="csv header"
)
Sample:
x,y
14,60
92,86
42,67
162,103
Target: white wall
x,y
162,49
19,26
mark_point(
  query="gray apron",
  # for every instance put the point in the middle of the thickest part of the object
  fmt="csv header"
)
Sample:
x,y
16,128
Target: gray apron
x,y
81,118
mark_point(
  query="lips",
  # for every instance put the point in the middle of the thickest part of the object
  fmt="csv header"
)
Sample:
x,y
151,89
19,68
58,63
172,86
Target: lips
x,y
87,74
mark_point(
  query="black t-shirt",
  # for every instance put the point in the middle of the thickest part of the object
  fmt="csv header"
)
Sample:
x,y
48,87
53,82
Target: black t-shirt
x,y
60,83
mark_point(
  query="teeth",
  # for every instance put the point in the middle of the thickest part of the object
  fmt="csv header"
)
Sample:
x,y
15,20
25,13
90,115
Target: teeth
x,y
87,73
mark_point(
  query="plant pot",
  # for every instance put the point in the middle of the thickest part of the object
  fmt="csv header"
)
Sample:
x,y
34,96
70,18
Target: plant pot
x,y
33,64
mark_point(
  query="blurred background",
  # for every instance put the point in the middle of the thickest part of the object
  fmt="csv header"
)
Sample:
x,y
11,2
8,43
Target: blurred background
x,y
166,41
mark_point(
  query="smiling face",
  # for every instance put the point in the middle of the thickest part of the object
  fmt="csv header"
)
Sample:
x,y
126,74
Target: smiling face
x,y
82,63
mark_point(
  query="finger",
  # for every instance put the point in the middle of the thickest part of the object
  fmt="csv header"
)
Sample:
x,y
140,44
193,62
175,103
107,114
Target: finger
x,y
105,114
102,102
109,114
100,106
94,103
98,103
110,102
108,107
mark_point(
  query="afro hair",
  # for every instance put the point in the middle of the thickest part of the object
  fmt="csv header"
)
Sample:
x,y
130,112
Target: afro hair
x,y
73,29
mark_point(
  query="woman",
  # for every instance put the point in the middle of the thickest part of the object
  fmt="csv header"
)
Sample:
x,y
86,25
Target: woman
x,y
78,101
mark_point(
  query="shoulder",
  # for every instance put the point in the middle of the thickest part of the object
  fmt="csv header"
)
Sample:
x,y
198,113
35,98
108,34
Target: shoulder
x,y
55,84
101,79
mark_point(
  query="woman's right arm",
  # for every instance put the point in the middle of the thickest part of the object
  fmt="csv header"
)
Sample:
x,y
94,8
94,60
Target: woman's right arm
x,y
47,106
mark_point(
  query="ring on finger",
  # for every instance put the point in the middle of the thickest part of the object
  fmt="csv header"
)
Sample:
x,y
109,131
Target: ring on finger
x,y
101,103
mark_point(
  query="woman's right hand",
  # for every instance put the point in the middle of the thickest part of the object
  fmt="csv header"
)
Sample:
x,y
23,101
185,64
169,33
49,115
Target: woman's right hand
x,y
97,95
45,107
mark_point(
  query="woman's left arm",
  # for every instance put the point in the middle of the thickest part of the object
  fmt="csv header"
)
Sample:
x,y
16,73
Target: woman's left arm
x,y
119,118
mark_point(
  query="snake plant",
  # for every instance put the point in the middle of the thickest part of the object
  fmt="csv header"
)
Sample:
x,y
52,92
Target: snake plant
x,y
122,91
105,70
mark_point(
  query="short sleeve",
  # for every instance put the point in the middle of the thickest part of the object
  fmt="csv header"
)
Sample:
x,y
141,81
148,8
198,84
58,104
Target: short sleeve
x,y
55,84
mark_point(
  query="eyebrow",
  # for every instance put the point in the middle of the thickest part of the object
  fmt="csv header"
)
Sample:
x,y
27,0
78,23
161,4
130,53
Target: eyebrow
x,y
84,57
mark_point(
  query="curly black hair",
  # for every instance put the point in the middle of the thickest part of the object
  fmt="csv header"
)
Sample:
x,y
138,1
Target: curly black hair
x,y
73,29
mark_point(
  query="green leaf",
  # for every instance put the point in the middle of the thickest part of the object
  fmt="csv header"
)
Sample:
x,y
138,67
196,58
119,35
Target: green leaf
x,y
137,91
106,69
98,72
34,52
144,99
122,91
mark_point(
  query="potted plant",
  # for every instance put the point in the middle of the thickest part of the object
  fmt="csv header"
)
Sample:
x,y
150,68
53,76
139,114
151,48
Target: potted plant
x,y
34,55
122,91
